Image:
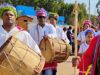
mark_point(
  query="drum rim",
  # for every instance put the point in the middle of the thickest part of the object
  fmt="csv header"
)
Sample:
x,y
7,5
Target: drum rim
x,y
48,40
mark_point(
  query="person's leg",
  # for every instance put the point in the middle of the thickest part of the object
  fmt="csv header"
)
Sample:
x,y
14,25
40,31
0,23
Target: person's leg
x,y
54,72
49,72
43,72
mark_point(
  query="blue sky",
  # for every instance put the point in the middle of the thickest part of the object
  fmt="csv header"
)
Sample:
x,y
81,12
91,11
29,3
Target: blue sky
x,y
92,4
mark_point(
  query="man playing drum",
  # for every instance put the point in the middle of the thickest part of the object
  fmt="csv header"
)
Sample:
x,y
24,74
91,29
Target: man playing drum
x,y
42,30
53,17
8,14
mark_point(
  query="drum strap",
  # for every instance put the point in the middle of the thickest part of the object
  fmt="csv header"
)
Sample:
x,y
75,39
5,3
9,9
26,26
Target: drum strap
x,y
38,33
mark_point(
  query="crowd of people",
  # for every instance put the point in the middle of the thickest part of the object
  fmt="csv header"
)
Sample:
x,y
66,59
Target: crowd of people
x,y
88,39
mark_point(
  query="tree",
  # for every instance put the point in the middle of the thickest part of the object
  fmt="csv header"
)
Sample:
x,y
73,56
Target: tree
x,y
57,6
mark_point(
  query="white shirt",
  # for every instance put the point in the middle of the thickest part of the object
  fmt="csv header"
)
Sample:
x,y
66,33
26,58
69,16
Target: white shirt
x,y
81,36
60,34
97,33
83,47
37,32
21,35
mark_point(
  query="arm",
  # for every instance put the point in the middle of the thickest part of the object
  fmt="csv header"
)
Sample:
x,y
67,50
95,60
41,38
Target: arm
x,y
64,37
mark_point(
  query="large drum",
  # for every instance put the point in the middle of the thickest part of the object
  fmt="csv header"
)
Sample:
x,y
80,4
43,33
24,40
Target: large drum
x,y
17,58
54,49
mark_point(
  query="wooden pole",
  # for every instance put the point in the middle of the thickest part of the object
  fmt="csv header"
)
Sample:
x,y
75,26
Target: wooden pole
x,y
75,34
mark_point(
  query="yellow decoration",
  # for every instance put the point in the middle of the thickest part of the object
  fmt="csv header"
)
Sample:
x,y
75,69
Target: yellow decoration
x,y
88,70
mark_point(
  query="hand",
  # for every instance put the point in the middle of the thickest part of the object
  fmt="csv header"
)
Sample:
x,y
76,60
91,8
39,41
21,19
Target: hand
x,y
35,73
46,37
39,68
75,61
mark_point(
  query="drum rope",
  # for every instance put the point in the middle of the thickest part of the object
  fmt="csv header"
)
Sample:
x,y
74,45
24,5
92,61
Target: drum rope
x,y
21,48
10,63
13,48
53,49
21,60
4,67
59,45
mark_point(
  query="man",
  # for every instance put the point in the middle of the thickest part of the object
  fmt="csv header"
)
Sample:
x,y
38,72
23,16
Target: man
x,y
42,30
71,38
8,14
53,17
69,34
51,67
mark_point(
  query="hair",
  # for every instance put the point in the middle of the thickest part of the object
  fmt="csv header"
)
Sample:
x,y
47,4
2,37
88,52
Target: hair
x,y
64,29
70,27
89,31
53,15
7,7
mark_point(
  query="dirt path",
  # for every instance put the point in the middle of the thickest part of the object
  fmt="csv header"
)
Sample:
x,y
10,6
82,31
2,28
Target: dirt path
x,y
65,68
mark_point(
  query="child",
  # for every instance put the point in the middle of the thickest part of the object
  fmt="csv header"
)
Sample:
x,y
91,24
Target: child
x,y
89,34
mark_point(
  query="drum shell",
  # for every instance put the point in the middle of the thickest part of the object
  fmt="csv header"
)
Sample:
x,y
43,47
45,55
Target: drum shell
x,y
17,58
54,49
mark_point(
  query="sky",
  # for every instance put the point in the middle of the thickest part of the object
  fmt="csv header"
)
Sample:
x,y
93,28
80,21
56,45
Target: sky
x,y
92,5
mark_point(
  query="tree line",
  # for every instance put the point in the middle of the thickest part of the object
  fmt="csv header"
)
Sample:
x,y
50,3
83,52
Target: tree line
x,y
57,6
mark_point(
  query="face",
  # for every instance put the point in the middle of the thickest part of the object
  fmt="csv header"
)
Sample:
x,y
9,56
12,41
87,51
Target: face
x,y
9,17
41,19
53,21
85,26
89,37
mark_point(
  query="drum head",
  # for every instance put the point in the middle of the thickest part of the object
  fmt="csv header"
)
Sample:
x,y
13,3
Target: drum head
x,y
46,49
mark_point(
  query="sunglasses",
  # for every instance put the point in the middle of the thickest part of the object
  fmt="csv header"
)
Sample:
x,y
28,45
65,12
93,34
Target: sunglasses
x,y
41,17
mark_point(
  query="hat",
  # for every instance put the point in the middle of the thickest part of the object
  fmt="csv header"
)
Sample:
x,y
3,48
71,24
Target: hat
x,y
6,6
89,30
87,22
41,11
53,15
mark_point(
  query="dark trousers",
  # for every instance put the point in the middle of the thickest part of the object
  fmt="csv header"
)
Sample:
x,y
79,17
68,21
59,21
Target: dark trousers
x,y
53,72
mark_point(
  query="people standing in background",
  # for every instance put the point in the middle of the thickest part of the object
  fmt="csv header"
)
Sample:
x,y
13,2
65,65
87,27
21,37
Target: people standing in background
x,y
70,35
65,29
81,36
71,38
89,34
